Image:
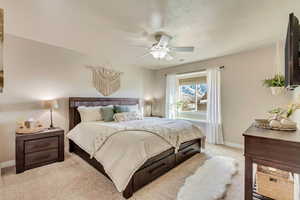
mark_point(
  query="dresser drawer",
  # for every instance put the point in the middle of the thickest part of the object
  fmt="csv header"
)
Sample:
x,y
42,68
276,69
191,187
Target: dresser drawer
x,y
189,143
187,152
41,157
148,174
41,144
273,150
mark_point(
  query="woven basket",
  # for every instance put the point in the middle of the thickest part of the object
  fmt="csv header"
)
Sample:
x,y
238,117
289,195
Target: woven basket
x,y
274,184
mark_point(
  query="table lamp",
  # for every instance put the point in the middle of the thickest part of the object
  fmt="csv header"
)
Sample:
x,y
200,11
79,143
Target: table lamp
x,y
51,104
149,103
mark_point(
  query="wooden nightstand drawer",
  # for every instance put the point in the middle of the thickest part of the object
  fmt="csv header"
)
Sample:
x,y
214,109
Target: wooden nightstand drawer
x,y
41,157
38,149
270,149
41,144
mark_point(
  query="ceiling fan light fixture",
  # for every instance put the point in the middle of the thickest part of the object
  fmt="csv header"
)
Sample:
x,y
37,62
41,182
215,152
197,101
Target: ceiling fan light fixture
x,y
158,54
162,50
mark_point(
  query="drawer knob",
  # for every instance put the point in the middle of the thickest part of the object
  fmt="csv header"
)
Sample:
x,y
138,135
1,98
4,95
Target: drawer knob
x,y
273,180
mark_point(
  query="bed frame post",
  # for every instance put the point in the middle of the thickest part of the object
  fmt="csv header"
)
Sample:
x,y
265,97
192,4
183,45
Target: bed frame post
x,y
128,192
200,145
71,146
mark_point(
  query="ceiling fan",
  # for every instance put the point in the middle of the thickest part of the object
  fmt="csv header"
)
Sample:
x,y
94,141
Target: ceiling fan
x,y
161,50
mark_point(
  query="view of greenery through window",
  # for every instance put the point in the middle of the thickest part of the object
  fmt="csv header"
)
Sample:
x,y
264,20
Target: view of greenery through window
x,y
193,97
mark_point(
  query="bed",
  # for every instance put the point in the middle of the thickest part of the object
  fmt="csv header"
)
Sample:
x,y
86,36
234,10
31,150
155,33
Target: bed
x,y
153,168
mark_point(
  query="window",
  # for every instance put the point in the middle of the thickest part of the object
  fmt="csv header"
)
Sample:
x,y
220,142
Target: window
x,y
192,96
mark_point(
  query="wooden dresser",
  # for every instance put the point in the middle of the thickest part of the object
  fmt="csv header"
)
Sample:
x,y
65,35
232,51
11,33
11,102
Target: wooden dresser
x,y
38,149
277,149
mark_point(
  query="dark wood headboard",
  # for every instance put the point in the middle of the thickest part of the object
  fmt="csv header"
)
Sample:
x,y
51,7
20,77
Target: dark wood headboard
x,y
75,102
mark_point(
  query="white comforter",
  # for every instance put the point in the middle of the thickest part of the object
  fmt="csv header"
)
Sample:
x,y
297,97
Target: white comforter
x,y
122,148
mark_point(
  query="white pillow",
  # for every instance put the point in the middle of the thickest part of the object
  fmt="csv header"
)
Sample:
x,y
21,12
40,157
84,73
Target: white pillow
x,y
90,113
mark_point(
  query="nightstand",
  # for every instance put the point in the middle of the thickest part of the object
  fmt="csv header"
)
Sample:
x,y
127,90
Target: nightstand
x,y
38,149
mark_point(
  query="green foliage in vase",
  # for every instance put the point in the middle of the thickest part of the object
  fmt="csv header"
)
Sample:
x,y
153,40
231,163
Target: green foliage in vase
x,y
279,111
276,81
291,109
285,112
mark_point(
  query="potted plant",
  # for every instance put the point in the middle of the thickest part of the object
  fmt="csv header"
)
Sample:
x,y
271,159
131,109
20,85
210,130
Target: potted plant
x,y
276,84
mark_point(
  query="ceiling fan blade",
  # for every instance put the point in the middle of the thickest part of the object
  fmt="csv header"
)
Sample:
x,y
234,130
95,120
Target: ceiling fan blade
x,y
169,57
182,49
144,55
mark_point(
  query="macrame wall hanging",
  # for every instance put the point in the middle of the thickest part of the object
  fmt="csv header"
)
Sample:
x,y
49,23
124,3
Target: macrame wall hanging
x,y
106,81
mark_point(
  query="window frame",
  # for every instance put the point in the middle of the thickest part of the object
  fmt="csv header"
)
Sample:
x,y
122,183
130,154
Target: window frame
x,y
180,97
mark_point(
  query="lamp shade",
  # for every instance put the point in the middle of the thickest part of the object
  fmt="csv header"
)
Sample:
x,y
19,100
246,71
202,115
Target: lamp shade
x,y
148,102
51,104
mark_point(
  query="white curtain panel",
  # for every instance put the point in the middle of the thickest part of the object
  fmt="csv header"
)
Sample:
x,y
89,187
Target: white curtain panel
x,y
296,187
171,93
214,122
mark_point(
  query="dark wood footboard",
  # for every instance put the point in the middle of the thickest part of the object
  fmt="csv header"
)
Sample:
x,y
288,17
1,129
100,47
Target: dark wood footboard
x,y
152,169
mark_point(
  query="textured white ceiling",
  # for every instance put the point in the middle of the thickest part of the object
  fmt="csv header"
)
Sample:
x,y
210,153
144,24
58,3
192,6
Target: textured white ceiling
x,y
111,30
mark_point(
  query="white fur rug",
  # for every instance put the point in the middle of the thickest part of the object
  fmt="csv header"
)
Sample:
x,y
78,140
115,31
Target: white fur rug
x,y
210,181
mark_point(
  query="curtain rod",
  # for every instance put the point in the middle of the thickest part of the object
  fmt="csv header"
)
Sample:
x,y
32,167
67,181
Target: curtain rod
x,y
201,70
189,72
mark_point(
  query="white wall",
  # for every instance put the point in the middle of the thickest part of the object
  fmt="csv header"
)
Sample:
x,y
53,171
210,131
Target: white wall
x,y
39,63
243,97
35,71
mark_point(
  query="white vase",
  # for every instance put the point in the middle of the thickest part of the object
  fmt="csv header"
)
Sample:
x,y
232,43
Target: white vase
x,y
277,90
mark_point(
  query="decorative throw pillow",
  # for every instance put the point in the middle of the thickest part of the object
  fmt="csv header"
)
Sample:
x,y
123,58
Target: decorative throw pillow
x,y
121,109
127,116
107,113
89,114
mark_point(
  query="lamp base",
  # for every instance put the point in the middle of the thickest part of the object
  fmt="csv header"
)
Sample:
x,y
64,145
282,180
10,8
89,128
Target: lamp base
x,y
51,127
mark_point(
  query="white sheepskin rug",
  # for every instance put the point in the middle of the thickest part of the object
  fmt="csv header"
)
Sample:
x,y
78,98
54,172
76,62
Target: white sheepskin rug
x,y
210,181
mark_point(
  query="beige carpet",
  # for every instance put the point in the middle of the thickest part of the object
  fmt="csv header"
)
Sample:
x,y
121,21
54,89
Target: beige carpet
x,y
74,179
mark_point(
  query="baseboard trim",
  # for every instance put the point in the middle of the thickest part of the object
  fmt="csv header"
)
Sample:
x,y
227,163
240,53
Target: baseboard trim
x,y
9,163
234,145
